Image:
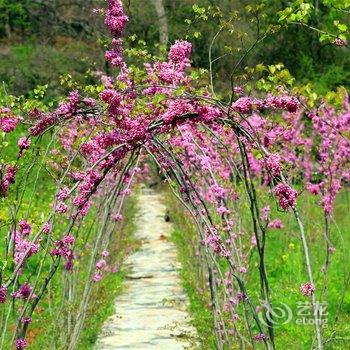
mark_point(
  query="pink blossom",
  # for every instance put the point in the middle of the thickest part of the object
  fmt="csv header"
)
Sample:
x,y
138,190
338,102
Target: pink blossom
x,y
243,105
63,193
21,344
340,42
24,143
253,241
286,196
105,253
307,289
180,51
8,124
97,277
26,320
313,188
68,240
24,292
223,210
115,18
238,90
265,212
24,228
331,250
61,208
273,164
3,294
101,264
277,223
117,217
260,337
47,227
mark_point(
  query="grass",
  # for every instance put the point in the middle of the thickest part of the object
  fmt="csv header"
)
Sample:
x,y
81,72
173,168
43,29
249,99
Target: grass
x,y
47,327
101,303
103,296
286,272
184,237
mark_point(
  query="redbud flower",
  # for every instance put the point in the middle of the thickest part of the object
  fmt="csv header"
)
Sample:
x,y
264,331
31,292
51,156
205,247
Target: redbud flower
x,y
260,337
277,223
24,292
286,196
24,228
313,188
26,320
115,19
238,90
180,51
8,124
340,42
101,264
233,301
273,164
307,289
21,344
68,240
61,208
331,250
118,217
63,193
253,241
265,212
97,278
223,210
3,294
105,253
24,143
47,227
243,105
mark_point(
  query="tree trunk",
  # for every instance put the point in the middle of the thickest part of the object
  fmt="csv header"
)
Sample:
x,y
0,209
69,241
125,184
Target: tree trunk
x,y
8,30
163,22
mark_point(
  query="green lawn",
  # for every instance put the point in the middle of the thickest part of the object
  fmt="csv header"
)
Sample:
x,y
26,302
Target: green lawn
x,y
286,271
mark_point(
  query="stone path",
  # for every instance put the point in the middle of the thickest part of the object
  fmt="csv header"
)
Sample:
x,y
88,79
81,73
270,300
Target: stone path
x,y
151,312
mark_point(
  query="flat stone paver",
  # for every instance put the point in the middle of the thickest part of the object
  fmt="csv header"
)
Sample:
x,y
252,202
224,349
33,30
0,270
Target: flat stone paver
x,y
151,312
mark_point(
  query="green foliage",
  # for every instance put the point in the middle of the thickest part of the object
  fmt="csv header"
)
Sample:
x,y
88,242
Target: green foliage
x,y
283,253
185,238
300,34
12,14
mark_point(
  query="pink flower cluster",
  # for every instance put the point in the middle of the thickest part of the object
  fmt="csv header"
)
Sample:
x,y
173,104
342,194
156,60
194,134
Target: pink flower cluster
x,y
277,223
115,18
3,294
286,196
115,21
24,228
8,178
307,289
64,249
100,266
64,111
180,51
24,248
273,164
8,121
24,143
21,344
24,292
247,104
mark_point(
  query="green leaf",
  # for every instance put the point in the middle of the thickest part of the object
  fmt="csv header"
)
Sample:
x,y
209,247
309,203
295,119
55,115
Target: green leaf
x,y
342,27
